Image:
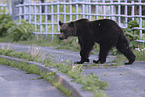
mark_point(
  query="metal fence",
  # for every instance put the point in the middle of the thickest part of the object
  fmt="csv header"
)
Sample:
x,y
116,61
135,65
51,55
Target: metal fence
x,y
5,8
45,16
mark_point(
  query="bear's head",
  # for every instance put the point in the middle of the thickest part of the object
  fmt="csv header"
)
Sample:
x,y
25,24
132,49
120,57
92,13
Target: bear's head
x,y
66,30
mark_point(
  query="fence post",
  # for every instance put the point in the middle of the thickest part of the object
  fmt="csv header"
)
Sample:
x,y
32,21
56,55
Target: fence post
x,y
15,10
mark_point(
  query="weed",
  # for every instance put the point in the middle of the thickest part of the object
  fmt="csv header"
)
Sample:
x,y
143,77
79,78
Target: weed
x,y
37,78
104,74
140,52
100,94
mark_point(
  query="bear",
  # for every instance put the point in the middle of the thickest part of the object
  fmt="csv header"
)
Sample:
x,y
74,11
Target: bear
x,y
106,32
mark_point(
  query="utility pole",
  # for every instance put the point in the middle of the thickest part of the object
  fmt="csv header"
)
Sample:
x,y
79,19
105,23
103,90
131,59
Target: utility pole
x,y
15,10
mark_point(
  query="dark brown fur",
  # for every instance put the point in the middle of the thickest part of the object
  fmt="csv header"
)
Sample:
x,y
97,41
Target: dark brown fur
x,y
105,32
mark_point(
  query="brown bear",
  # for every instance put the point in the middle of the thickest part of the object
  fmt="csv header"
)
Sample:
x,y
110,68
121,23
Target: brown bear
x,y
105,32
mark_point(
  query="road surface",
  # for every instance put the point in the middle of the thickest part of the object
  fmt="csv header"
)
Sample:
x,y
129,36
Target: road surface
x,y
16,83
125,81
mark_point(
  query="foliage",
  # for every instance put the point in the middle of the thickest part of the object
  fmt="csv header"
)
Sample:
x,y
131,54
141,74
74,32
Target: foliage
x,y
4,19
133,34
22,31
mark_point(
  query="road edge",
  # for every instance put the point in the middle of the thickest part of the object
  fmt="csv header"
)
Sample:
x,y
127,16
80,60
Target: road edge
x,y
76,89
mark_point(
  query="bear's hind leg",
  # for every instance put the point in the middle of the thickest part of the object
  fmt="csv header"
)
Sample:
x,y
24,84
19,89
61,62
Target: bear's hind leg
x,y
124,48
104,49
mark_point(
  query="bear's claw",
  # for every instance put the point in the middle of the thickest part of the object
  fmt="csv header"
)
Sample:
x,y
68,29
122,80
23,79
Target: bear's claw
x,y
81,62
78,62
98,62
129,63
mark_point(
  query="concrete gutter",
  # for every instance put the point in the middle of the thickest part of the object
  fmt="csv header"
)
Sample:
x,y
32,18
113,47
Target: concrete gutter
x,y
76,89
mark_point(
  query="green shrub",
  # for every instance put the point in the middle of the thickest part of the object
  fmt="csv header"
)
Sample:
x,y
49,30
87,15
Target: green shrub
x,y
132,34
4,19
22,31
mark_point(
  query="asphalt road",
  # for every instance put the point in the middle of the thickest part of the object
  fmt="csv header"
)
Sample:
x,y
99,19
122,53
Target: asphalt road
x,y
125,81
16,83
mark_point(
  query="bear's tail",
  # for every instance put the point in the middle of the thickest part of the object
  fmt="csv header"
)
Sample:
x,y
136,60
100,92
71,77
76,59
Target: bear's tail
x,y
123,47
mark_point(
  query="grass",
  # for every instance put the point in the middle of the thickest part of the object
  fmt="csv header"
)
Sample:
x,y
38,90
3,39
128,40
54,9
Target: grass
x,y
6,39
140,52
42,41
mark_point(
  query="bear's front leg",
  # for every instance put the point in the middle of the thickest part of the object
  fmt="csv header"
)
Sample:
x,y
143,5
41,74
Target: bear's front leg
x,y
84,57
104,49
84,53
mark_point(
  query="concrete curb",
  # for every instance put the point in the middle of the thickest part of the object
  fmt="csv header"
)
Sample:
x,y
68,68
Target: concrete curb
x,y
76,89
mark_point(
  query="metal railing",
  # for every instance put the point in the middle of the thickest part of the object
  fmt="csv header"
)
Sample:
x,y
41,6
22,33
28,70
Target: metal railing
x,y
45,16
5,8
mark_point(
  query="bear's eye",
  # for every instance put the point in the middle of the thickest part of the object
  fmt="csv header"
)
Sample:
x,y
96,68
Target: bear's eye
x,y
62,31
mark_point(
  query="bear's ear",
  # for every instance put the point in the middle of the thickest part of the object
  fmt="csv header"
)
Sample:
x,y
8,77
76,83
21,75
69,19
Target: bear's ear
x,y
71,24
60,23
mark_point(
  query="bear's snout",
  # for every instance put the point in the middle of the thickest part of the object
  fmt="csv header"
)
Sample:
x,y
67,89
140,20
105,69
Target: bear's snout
x,y
61,38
